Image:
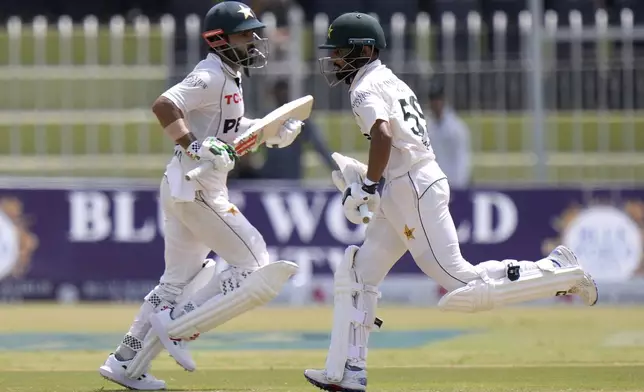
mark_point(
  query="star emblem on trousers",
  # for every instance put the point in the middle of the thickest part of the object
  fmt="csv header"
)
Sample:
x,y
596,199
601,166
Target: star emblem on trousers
x,y
409,233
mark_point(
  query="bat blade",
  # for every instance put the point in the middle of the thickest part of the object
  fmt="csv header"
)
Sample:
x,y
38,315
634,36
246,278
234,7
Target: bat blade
x,y
269,125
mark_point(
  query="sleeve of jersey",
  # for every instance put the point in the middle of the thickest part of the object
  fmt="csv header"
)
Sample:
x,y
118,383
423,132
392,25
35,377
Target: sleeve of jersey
x,y
193,92
368,108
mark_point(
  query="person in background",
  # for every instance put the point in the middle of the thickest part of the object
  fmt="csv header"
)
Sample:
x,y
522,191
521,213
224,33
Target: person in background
x,y
280,37
248,167
450,138
288,163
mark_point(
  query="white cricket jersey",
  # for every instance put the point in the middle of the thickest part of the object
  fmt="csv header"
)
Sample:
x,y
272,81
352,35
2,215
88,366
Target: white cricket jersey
x,y
378,94
210,98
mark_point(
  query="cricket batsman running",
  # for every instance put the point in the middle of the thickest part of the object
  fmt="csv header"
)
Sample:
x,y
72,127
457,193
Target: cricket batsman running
x,y
411,214
203,114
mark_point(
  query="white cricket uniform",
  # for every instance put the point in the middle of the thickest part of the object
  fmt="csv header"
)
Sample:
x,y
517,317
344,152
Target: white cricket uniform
x,y
413,212
200,218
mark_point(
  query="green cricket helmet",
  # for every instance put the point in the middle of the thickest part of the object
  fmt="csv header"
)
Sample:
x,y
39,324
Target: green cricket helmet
x,y
232,17
346,37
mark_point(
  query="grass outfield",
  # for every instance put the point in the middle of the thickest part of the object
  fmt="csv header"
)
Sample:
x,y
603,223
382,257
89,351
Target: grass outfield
x,y
78,53
490,133
59,348
501,152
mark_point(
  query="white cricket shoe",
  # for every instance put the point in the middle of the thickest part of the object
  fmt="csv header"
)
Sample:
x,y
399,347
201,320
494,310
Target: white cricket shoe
x,y
176,347
354,380
586,289
114,370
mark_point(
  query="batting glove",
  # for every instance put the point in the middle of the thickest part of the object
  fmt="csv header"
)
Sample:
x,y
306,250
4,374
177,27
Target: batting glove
x,y
287,134
356,195
221,155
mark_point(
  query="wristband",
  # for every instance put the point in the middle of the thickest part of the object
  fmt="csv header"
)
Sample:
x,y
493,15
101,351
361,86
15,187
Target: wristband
x,y
368,182
193,150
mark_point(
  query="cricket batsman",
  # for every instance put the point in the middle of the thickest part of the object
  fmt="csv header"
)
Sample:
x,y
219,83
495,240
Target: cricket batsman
x,y
411,214
203,114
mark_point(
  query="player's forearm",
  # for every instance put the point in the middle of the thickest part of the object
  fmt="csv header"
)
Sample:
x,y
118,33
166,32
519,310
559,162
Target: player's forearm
x,y
379,150
171,119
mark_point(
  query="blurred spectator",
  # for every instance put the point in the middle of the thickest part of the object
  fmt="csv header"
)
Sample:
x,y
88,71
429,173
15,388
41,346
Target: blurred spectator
x,y
279,38
450,138
247,168
287,163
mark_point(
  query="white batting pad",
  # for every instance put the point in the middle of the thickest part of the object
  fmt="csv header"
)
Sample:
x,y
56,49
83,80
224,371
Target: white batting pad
x,y
353,317
140,364
152,346
259,288
205,276
532,285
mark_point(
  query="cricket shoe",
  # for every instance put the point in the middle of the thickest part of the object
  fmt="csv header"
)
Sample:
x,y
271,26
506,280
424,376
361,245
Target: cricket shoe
x,y
354,380
114,370
176,347
586,289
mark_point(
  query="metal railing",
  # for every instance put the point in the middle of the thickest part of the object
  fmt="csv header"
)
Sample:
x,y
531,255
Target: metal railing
x,y
76,98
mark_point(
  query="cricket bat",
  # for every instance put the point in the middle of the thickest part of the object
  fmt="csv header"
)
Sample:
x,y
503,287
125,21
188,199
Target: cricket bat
x,y
267,127
351,170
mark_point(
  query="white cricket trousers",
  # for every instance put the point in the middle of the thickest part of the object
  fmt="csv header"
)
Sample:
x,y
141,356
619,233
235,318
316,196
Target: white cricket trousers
x,y
414,215
210,222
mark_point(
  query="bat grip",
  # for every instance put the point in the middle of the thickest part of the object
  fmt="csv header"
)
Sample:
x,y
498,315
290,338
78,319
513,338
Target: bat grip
x,y
196,172
365,213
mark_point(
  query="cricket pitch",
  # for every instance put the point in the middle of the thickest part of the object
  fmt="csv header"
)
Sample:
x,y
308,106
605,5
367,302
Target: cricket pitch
x,y
565,348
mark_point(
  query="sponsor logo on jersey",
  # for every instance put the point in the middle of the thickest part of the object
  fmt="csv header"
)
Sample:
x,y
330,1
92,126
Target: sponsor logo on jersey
x,y
231,124
193,80
359,98
232,98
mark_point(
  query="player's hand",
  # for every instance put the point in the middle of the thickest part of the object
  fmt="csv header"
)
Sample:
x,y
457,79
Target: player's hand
x,y
356,195
221,155
287,134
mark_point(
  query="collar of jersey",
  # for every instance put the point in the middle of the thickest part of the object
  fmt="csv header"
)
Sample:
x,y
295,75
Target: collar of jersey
x,y
224,66
363,71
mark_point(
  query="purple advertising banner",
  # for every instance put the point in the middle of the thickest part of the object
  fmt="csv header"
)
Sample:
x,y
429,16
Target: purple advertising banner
x,y
106,243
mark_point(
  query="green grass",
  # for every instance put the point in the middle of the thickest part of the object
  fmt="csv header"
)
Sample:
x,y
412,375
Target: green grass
x,y
35,98
519,349
561,133
79,49
104,94
570,142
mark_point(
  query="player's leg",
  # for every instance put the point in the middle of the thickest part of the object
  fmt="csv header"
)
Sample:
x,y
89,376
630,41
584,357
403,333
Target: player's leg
x,y
184,256
356,282
251,281
425,223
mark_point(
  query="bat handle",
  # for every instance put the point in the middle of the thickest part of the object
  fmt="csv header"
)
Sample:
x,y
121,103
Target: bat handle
x,y
196,172
365,213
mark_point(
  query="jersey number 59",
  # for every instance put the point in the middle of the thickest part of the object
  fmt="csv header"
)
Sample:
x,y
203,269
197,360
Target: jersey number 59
x,y
411,110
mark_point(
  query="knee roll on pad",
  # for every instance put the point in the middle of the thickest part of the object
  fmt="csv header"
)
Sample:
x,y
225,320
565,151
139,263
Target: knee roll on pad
x,y
485,293
353,316
257,289
203,277
241,291
223,284
163,295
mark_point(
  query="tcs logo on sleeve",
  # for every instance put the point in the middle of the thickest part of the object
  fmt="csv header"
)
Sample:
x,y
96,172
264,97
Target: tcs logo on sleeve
x,y
232,98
